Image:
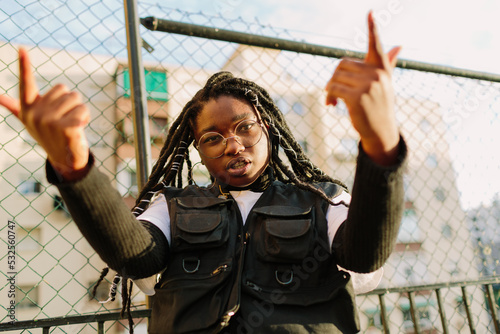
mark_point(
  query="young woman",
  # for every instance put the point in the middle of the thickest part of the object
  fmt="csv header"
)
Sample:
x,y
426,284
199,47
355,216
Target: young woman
x,y
260,250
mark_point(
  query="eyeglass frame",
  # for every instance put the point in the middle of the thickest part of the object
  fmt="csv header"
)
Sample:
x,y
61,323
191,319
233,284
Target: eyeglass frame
x,y
258,121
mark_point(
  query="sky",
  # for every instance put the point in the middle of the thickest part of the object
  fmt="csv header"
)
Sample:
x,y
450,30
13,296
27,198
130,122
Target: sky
x,y
457,33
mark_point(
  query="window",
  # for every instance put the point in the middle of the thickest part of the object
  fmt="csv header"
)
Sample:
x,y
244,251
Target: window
x,y
157,129
341,109
304,145
28,241
439,194
447,231
422,314
30,186
298,108
431,161
59,204
425,125
409,231
374,318
102,291
27,296
126,178
156,84
282,104
347,150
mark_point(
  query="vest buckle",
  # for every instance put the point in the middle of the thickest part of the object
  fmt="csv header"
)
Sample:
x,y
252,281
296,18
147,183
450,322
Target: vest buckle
x,y
189,262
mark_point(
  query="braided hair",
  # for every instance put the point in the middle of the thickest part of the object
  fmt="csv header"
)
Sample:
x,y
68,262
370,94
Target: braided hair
x,y
168,169
175,153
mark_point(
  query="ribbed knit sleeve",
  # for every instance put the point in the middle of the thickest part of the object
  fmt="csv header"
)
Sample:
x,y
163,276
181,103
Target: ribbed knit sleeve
x,y
366,239
132,248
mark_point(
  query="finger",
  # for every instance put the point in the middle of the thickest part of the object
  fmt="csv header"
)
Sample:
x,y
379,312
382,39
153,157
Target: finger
x,y
77,117
392,56
11,104
355,65
375,54
356,79
28,88
60,100
340,91
352,68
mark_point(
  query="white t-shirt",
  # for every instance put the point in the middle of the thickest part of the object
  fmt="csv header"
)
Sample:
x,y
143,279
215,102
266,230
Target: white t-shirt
x,y
157,214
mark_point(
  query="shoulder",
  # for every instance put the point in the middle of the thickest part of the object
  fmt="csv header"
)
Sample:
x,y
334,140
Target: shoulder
x,y
191,190
331,189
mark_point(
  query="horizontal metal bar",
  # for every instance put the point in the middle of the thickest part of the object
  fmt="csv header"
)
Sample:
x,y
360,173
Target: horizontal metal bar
x,y
188,29
427,287
71,320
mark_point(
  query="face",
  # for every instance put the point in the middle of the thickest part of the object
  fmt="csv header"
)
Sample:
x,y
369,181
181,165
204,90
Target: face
x,y
238,165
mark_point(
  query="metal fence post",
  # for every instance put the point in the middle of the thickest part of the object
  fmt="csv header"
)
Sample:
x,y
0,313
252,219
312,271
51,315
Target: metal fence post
x,y
138,94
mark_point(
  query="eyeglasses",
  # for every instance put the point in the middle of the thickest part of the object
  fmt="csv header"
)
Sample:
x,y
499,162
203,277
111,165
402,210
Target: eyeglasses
x,y
213,144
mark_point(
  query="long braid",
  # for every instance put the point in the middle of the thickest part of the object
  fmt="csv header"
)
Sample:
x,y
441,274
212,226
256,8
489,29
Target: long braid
x,y
168,170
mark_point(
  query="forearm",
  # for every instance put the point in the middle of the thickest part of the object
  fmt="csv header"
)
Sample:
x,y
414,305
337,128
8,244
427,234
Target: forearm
x,y
366,239
127,246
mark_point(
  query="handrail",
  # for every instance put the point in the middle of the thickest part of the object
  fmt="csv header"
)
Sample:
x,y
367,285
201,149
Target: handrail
x,y
47,323
487,284
188,29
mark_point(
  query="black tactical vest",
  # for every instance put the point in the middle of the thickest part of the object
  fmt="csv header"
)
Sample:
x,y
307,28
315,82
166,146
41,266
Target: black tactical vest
x,y
276,274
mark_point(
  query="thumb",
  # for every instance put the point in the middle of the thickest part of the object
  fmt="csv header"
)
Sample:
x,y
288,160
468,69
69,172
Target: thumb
x,y
393,56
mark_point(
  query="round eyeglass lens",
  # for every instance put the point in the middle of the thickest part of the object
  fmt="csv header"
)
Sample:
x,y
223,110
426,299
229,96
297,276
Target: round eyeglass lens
x,y
247,133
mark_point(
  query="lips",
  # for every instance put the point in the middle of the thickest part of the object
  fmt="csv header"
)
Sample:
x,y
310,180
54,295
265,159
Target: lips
x,y
238,166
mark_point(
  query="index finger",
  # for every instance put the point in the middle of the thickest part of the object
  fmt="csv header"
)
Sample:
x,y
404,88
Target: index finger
x,y
27,84
375,54
11,104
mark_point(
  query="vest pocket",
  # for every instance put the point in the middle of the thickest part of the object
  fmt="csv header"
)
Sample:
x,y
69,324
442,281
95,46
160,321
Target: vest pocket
x,y
287,235
198,224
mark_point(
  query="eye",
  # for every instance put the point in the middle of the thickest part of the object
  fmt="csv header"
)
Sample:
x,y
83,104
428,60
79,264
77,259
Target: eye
x,y
211,139
246,127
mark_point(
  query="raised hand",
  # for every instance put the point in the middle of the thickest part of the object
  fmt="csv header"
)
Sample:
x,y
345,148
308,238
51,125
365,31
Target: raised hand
x,y
366,88
56,120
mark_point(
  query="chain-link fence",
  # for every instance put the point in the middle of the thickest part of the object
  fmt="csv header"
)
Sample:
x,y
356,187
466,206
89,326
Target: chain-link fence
x,y
449,231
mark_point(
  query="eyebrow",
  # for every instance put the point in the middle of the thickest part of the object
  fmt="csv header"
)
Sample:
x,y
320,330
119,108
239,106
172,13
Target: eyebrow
x,y
235,119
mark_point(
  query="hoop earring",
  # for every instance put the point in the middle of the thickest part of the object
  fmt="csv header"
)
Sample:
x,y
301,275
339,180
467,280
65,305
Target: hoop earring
x,y
202,173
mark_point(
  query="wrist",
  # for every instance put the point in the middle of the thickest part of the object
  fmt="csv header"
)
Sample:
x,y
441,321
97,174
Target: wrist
x,y
384,152
70,173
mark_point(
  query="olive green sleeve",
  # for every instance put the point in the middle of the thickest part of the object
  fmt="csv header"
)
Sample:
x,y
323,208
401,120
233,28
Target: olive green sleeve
x,y
132,248
366,239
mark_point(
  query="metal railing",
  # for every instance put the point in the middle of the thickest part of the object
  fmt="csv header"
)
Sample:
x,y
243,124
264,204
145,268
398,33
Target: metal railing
x,y
100,318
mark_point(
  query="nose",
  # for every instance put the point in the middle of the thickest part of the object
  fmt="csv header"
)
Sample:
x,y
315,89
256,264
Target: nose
x,y
233,146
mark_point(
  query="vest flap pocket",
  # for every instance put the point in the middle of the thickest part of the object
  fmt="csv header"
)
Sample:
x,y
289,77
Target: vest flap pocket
x,y
199,202
282,211
288,229
198,223
199,230
285,240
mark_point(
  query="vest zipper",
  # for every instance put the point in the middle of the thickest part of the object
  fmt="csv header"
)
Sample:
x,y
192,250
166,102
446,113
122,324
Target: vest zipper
x,y
220,269
253,286
226,317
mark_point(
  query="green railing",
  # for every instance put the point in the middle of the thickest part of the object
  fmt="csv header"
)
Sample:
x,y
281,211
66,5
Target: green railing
x,y
487,285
